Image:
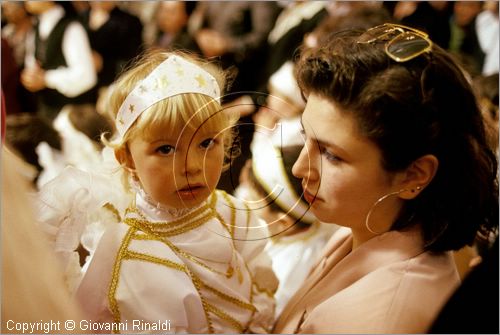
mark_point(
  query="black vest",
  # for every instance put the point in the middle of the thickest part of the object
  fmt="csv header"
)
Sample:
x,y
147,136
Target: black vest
x,y
50,56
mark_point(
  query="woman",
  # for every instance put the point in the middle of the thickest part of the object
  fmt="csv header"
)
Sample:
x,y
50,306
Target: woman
x,y
396,153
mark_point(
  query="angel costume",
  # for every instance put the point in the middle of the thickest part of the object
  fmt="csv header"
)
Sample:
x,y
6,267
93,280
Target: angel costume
x,y
201,272
197,270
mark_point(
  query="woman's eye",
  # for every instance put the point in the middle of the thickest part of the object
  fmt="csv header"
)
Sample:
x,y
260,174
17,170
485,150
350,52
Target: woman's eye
x,y
208,143
165,149
329,156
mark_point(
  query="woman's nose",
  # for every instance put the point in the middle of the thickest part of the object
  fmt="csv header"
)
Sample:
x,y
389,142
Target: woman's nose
x,y
304,167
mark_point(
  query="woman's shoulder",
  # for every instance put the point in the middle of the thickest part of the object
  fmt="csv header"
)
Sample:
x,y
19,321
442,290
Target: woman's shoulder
x,y
403,296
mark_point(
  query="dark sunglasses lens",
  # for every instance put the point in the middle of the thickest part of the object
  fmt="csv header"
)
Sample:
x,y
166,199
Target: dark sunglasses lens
x,y
407,45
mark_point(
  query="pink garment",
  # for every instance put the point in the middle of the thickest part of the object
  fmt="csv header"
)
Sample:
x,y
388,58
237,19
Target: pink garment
x,y
386,285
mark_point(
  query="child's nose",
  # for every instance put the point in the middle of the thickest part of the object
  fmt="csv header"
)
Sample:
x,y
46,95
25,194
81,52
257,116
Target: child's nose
x,y
192,163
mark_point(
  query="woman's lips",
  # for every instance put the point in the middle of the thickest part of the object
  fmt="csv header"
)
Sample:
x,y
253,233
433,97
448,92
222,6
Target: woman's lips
x,y
310,197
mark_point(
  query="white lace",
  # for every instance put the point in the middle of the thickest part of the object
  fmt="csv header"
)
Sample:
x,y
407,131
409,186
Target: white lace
x,y
156,206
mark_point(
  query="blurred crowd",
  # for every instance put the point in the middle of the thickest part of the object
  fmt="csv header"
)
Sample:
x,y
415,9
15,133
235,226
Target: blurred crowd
x,y
65,55
60,59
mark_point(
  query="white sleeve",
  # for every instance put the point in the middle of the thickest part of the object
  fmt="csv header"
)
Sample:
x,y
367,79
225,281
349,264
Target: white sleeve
x,y
487,34
75,208
29,57
487,29
79,75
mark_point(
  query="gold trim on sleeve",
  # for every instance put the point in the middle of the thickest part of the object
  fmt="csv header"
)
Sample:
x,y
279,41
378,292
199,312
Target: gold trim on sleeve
x,y
132,255
113,305
224,316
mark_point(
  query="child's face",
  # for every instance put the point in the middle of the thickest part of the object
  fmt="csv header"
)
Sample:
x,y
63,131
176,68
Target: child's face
x,y
178,169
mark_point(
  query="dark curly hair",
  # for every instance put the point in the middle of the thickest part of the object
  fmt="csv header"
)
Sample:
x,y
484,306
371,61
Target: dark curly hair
x,y
422,106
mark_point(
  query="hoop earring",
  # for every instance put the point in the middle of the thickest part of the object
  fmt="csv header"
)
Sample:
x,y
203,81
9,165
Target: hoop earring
x,y
382,198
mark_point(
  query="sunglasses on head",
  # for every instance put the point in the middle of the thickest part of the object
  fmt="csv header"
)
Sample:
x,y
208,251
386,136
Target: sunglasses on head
x,y
402,43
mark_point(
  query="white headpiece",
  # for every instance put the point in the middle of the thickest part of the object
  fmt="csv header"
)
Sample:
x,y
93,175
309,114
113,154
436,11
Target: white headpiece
x,y
172,77
268,168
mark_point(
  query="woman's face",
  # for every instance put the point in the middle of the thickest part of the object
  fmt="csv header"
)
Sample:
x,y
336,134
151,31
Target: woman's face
x,y
341,170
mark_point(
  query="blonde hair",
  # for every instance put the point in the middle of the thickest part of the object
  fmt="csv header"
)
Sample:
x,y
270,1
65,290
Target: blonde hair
x,y
183,110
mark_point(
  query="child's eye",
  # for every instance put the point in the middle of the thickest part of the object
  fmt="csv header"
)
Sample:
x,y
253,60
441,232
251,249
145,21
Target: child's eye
x,y
208,143
329,156
165,149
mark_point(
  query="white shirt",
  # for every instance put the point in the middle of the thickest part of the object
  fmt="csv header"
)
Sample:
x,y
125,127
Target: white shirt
x,y
79,75
487,27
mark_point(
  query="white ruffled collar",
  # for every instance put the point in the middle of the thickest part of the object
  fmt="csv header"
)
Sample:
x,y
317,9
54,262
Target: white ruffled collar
x,y
158,212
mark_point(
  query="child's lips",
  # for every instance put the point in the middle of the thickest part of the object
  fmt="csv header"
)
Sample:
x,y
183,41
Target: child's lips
x,y
191,190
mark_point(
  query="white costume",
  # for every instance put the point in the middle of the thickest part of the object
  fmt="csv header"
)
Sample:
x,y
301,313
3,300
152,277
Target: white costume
x,y
198,270
76,207
186,271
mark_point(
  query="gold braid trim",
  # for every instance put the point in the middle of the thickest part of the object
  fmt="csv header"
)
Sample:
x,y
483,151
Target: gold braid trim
x,y
150,234
233,213
224,316
147,227
198,284
132,255
127,254
145,237
186,223
229,298
113,210
113,305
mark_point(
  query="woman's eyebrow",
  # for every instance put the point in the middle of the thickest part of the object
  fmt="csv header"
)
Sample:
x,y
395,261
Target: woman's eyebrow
x,y
325,143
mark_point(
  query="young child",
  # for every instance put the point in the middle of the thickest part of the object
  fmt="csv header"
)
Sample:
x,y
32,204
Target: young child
x,y
185,257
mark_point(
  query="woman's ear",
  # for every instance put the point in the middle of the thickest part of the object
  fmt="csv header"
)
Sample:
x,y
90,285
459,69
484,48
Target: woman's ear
x,y
124,157
418,175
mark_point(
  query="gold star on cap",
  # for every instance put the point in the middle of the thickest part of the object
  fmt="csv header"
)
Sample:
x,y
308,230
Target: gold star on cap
x,y
161,82
175,75
201,81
